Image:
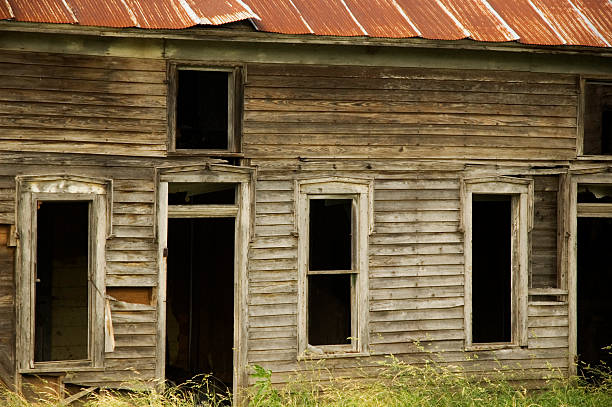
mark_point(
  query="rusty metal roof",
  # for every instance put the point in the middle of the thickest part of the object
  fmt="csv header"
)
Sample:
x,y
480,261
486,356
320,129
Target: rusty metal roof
x,y
541,22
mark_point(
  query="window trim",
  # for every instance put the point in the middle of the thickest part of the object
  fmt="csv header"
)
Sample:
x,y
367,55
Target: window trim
x,y
30,190
580,122
360,192
235,104
521,190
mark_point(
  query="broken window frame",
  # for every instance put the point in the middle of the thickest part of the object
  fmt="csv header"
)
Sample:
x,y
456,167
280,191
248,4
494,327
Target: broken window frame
x,y
234,101
360,192
30,191
521,192
581,117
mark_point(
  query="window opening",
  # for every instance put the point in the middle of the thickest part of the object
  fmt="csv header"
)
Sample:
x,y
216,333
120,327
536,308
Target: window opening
x,y
330,237
594,193
491,268
597,118
203,113
200,300
329,309
196,193
330,252
62,263
593,295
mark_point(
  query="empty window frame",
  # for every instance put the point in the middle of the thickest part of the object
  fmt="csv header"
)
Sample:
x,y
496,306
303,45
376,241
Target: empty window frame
x,y
204,109
597,117
62,225
333,226
496,224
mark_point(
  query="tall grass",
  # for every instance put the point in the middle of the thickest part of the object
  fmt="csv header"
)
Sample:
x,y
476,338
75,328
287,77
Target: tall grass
x,y
396,384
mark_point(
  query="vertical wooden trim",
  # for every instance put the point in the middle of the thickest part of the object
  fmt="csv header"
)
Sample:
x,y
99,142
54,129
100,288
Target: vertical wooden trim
x,y
362,297
580,117
304,233
162,222
563,220
97,275
467,249
523,266
572,275
172,78
23,280
241,291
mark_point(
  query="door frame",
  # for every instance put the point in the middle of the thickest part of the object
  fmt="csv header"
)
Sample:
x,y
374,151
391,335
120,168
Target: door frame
x,y
209,173
600,176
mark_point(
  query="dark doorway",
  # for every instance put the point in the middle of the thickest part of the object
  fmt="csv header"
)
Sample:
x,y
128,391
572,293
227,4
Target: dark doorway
x,y
200,300
491,268
593,297
62,264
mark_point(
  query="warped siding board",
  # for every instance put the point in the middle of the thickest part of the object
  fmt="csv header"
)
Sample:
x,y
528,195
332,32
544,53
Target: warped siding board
x,y
356,112
7,308
79,104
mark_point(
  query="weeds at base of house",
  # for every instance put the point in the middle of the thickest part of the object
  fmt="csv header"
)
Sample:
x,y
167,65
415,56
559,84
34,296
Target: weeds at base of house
x,y
397,384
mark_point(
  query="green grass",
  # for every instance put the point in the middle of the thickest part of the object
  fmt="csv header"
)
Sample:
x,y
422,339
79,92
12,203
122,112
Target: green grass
x,y
396,384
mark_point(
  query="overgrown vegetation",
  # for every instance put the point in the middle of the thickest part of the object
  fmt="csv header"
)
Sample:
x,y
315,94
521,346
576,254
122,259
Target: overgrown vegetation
x,y
397,384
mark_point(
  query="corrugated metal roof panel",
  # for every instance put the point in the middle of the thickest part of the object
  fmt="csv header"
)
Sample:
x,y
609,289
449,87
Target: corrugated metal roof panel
x,y
599,12
107,13
279,16
5,10
432,20
329,17
42,11
160,14
480,20
526,22
381,18
219,12
568,22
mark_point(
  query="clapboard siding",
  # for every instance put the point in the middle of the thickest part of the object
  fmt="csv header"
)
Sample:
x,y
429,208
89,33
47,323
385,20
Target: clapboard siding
x,y
80,104
416,280
314,111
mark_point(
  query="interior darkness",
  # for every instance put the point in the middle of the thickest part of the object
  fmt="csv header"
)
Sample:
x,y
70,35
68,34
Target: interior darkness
x,y
195,193
61,308
329,309
594,282
330,243
594,193
598,118
200,299
491,268
202,110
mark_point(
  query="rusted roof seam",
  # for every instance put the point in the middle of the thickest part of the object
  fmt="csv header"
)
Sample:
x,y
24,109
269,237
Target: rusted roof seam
x,y
9,8
403,13
543,17
513,33
452,16
363,30
589,23
248,8
192,14
69,9
131,13
302,17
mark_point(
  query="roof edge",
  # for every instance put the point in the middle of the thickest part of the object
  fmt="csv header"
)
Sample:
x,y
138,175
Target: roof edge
x,y
218,33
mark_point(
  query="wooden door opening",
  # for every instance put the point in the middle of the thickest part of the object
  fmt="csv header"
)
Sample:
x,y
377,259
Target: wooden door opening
x,y
200,299
594,277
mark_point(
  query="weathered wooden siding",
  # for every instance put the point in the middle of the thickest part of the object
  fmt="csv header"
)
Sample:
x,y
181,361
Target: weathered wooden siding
x,y
7,307
131,254
416,273
544,234
318,111
82,104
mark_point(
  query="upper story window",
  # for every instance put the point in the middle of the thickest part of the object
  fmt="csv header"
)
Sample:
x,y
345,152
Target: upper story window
x,y
597,118
203,109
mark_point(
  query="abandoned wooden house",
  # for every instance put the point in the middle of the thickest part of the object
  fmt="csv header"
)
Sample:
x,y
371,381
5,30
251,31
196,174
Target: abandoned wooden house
x,y
192,186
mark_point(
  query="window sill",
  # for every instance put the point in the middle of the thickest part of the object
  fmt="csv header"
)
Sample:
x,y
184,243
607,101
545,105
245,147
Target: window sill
x,y
492,346
208,153
339,355
57,368
594,157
